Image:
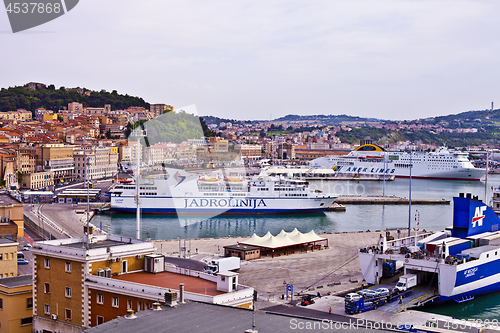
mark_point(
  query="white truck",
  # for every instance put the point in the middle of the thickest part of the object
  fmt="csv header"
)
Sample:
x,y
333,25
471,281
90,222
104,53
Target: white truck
x,y
222,265
406,282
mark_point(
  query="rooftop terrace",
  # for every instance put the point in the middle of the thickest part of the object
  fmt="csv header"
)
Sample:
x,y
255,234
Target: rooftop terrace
x,y
172,280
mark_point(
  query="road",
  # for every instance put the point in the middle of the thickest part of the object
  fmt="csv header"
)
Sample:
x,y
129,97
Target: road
x,y
25,269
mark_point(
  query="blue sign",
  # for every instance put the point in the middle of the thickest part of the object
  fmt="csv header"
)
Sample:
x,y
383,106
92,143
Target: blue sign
x,y
289,288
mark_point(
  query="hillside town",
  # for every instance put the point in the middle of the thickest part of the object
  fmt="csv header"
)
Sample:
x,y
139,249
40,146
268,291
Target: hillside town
x,y
40,149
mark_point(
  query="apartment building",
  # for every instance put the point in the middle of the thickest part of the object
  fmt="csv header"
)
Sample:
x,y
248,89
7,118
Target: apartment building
x,y
16,304
8,258
61,296
37,180
8,168
125,153
159,109
75,107
92,110
79,284
58,159
19,115
155,154
250,152
11,210
102,162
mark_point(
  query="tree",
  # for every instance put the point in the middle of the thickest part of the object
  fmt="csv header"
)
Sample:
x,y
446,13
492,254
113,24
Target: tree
x,y
108,134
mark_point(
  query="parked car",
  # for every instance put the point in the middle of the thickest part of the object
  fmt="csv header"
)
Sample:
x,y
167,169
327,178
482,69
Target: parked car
x,y
368,293
27,247
352,297
362,292
21,261
371,293
382,291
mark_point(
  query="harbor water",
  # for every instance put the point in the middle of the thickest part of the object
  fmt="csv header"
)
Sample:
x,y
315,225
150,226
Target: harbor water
x,y
355,218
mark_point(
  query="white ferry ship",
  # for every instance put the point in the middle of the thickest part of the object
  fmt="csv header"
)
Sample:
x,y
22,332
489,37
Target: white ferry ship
x,y
458,263
370,159
179,192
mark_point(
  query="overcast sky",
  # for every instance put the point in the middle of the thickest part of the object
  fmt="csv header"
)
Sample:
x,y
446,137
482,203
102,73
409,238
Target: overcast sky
x,y
260,59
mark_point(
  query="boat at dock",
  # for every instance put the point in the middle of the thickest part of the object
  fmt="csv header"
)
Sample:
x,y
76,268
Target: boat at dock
x,y
456,264
176,191
370,159
306,173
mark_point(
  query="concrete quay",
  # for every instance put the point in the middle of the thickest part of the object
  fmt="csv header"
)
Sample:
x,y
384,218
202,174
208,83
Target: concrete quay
x,y
385,200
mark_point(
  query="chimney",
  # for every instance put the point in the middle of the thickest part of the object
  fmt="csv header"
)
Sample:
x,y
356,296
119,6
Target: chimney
x,y
181,291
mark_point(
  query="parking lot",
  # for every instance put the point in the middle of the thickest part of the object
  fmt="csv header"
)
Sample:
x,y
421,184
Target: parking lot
x,y
24,248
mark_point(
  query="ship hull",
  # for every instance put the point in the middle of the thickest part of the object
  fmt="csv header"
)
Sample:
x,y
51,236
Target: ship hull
x,y
354,166
223,205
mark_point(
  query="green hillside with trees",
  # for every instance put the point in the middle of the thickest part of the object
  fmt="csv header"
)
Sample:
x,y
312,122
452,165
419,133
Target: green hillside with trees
x,y
50,98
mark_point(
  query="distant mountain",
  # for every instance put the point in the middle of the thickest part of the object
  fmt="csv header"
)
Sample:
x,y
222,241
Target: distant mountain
x,y
320,118
469,119
327,119
50,98
217,120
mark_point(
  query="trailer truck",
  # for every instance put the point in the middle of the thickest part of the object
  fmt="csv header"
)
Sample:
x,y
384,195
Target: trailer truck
x,y
406,282
222,265
362,304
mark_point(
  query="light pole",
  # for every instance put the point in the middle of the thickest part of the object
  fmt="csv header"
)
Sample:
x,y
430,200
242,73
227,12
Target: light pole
x,y
409,197
86,161
138,133
486,178
385,171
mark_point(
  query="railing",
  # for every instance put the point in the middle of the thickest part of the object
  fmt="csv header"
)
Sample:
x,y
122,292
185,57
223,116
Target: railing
x,y
42,232
190,272
417,301
233,296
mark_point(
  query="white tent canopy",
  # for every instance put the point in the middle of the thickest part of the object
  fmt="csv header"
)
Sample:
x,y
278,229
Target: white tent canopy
x,y
283,239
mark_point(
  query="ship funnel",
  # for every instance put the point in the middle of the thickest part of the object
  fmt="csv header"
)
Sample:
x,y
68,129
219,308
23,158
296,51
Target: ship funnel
x,y
472,217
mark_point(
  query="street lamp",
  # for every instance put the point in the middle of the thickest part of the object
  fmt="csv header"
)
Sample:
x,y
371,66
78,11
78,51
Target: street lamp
x,y
409,197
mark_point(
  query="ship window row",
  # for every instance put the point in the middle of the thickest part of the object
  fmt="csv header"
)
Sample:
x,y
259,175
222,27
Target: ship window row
x,y
148,193
295,195
148,188
263,189
290,189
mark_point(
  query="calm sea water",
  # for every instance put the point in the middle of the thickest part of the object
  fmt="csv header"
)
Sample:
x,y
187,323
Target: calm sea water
x,y
355,218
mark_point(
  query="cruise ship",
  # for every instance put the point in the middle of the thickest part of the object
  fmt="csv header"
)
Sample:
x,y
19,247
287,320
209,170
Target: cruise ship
x,y
178,192
370,159
457,264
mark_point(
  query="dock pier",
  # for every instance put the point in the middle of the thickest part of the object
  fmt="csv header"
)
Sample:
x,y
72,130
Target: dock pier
x,y
386,200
